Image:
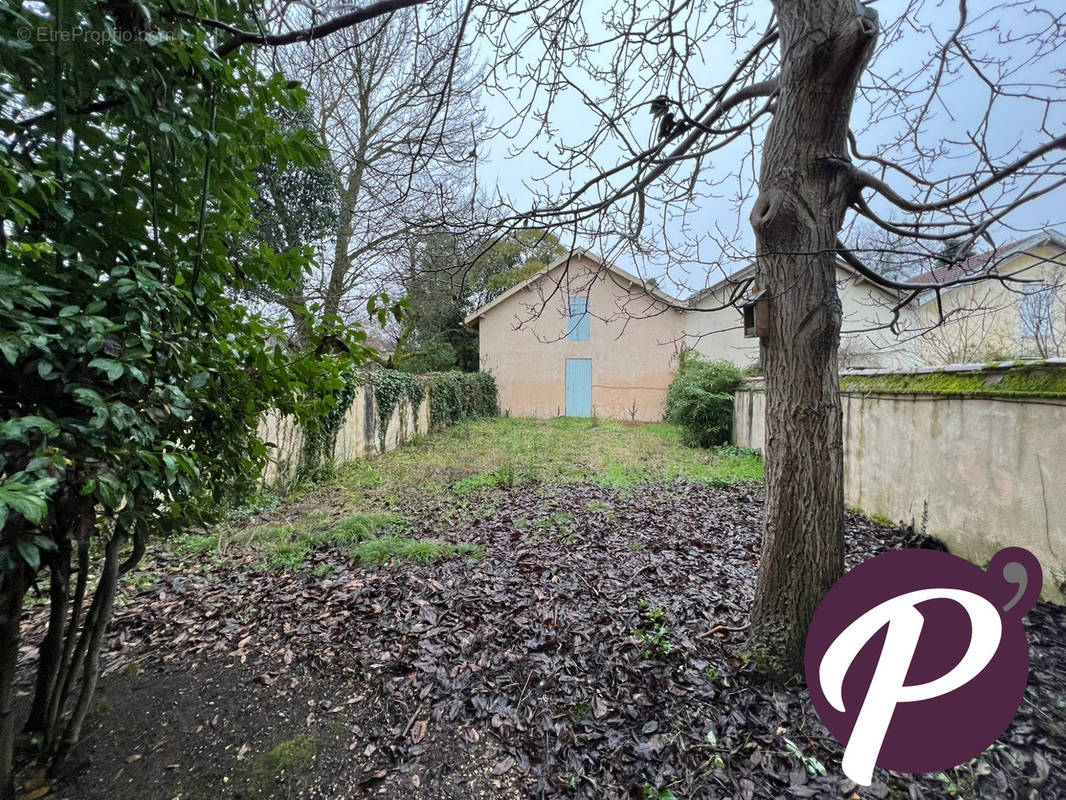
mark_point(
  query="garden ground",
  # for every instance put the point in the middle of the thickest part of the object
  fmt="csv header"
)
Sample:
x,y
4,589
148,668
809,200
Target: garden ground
x,y
507,609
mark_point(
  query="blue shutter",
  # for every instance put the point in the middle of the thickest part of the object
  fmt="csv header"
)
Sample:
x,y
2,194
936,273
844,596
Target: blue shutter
x,y
579,387
579,319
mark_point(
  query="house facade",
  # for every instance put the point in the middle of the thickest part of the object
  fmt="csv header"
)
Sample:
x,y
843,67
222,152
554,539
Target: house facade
x,y
585,338
581,338
992,320
715,328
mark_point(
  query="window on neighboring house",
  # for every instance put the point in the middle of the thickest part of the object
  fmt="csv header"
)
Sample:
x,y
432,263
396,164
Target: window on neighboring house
x,y
1035,310
579,319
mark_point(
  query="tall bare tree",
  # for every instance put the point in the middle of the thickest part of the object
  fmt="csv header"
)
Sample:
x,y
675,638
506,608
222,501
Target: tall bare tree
x,y
397,107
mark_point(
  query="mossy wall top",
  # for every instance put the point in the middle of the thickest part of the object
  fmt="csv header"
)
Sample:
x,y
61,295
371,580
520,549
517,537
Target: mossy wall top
x,y
1009,379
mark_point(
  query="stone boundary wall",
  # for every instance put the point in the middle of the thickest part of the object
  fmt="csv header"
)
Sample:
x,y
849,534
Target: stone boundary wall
x,y
357,437
978,450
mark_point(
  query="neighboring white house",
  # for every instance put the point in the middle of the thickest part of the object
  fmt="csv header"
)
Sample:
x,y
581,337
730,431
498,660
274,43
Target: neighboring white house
x,y
865,340
993,320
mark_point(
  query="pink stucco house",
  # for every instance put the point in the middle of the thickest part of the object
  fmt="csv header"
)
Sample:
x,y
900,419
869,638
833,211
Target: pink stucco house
x,y
581,338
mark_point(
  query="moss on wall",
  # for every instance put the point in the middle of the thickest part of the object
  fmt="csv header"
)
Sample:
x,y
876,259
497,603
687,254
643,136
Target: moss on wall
x,y
1030,380
1036,379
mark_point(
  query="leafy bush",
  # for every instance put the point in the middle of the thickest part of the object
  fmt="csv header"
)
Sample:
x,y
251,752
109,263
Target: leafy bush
x,y
700,400
436,355
455,396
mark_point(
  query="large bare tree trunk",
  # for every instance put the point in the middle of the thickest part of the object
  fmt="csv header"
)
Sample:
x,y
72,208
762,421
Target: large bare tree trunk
x,y
803,196
341,256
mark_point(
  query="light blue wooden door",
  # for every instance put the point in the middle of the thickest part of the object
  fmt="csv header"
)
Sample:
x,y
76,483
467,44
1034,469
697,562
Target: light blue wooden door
x,y
579,387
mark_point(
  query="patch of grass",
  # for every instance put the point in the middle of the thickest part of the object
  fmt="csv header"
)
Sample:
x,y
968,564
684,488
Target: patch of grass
x,y
504,476
664,430
618,475
737,464
635,546
259,503
198,544
260,778
323,571
381,549
651,792
296,754
465,463
360,475
488,453
289,545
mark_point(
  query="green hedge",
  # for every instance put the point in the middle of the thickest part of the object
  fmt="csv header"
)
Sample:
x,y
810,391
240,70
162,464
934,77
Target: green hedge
x,y
455,396
700,400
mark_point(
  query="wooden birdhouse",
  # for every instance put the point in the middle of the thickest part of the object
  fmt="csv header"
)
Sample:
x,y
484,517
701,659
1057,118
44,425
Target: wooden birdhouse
x,y
756,311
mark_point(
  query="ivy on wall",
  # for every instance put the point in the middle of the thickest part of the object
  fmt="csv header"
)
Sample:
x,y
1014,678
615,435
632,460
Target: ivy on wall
x,y
455,396
392,390
320,433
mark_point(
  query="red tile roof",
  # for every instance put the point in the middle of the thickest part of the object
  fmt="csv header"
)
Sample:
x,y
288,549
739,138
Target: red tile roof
x,y
981,263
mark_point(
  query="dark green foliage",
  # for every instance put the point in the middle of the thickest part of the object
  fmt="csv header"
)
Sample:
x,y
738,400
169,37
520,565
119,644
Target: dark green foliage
x,y
455,396
297,203
700,400
438,353
394,389
132,380
512,260
437,292
449,279
295,206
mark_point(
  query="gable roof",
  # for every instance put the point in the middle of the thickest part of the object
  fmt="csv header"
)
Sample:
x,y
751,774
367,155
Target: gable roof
x,y
632,280
976,264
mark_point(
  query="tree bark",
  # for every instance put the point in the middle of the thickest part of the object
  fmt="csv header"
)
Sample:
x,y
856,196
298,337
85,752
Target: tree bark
x,y
95,630
12,591
341,258
57,699
50,656
825,45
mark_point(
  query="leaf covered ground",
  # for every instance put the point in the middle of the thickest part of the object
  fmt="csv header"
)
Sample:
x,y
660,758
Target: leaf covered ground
x,y
511,609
